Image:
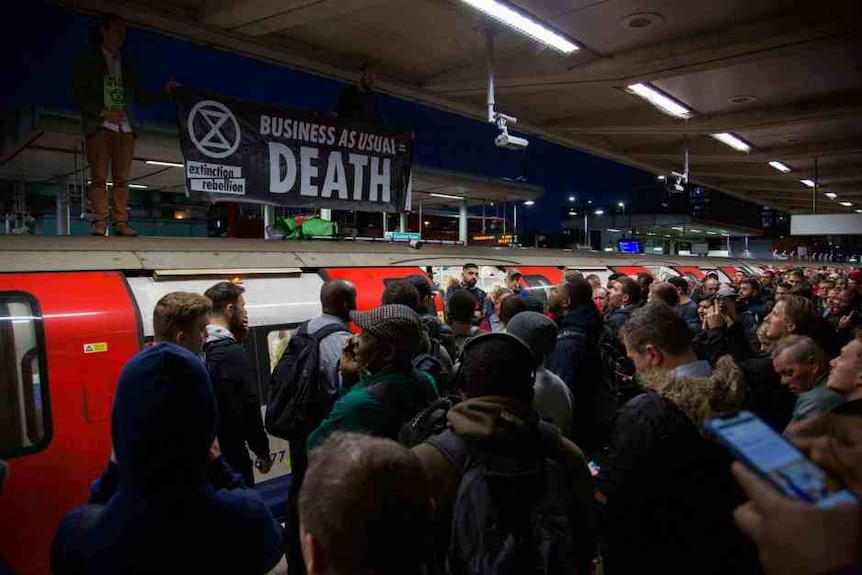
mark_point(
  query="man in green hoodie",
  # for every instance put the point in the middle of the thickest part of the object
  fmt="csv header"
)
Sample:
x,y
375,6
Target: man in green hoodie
x,y
389,391
105,87
498,428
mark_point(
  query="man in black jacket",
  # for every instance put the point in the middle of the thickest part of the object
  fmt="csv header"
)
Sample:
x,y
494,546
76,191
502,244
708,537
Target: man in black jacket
x,y
576,358
230,370
665,491
625,296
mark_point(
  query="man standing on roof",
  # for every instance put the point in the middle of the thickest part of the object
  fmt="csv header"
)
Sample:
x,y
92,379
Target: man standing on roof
x,y
105,86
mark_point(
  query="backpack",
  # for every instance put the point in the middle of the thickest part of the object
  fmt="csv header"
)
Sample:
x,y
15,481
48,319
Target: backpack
x,y
461,341
399,408
618,381
297,402
428,422
510,516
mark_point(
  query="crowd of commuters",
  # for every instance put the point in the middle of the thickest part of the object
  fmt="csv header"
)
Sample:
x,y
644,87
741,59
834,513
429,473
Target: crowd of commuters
x,y
532,431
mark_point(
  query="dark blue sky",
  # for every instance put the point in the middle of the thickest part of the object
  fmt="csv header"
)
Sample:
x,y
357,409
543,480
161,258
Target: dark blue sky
x,y
38,48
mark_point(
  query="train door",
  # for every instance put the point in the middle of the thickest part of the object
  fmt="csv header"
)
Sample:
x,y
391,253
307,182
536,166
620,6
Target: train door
x,y
276,306
64,338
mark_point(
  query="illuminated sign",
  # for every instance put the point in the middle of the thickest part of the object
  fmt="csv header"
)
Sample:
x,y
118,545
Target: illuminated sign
x,y
494,239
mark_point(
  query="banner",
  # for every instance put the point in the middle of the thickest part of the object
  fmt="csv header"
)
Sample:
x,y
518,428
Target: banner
x,y
246,152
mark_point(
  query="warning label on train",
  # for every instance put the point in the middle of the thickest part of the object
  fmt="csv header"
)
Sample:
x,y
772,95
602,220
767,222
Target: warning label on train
x,y
258,153
98,347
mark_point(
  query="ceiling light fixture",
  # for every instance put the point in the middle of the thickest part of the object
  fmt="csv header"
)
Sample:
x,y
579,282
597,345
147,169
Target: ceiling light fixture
x,y
447,196
529,203
846,204
614,230
694,230
599,212
677,228
523,24
660,100
131,186
166,164
809,183
661,177
712,233
831,195
859,211
733,141
621,204
779,166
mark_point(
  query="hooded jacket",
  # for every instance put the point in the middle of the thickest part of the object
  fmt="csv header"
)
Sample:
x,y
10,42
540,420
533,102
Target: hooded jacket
x,y
164,517
667,491
577,361
502,425
239,420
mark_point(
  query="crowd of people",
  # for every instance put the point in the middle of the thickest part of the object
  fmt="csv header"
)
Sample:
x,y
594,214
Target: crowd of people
x,y
557,431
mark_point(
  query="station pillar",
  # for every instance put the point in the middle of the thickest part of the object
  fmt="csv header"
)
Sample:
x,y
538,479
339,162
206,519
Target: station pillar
x,y
402,222
63,213
462,222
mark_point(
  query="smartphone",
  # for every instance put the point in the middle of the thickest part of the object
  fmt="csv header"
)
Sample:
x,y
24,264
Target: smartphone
x,y
777,460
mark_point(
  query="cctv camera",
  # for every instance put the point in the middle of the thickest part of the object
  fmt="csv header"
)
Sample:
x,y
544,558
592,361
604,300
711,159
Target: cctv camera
x,y
506,140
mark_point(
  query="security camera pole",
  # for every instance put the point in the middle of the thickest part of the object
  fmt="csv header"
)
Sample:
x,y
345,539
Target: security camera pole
x,y
504,140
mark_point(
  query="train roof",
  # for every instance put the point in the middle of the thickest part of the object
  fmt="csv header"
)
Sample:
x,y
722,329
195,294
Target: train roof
x,y
197,255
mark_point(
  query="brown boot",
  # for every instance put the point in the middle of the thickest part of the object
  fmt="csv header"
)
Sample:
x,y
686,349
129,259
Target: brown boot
x,y
123,229
99,228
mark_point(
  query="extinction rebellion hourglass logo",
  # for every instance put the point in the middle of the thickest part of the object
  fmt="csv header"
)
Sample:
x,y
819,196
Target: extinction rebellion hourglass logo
x,y
214,131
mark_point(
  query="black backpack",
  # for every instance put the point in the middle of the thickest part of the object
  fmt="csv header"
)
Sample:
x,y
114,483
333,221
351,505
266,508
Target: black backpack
x,y
297,402
510,517
428,422
618,380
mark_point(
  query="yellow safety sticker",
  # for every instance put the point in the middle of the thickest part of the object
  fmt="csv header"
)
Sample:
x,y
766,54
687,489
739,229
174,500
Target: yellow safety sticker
x,y
98,347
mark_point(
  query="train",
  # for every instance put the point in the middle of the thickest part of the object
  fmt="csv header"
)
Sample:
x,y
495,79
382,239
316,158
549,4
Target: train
x,y
73,310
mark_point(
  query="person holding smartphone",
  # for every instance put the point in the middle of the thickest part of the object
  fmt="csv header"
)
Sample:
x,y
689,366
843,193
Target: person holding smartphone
x,y
798,538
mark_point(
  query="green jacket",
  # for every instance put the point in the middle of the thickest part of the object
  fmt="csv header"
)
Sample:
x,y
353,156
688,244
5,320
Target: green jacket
x,y
364,410
88,90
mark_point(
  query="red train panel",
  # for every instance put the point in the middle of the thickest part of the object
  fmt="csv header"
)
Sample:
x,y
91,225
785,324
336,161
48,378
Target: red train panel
x,y
91,328
690,271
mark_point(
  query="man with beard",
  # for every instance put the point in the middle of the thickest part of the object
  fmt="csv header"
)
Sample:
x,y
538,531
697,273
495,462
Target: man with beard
x,y
229,366
469,278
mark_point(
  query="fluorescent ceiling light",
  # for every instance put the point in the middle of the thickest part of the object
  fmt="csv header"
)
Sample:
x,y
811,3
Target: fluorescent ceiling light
x,y
599,212
694,230
779,166
859,211
529,203
732,141
657,249
132,186
167,164
677,228
846,204
712,233
809,183
614,230
523,24
573,213
831,195
446,196
661,177
660,100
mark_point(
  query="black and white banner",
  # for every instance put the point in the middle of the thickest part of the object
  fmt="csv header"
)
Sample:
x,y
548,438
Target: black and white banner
x,y
247,152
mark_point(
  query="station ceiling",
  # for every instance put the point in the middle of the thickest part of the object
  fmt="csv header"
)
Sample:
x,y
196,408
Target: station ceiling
x,y
785,76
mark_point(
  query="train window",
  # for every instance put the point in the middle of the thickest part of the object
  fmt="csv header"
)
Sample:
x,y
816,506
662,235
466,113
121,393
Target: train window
x,y
539,286
25,424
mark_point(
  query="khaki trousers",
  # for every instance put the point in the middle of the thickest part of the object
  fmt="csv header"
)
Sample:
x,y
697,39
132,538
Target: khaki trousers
x,y
115,149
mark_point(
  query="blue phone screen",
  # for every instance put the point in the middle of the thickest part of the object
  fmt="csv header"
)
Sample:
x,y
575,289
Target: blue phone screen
x,y
777,459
